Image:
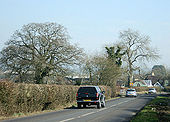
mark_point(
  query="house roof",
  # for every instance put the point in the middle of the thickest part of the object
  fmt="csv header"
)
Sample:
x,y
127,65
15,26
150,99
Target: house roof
x,y
147,83
139,83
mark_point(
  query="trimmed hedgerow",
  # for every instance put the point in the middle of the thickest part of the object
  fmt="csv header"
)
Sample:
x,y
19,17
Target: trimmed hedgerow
x,y
145,89
24,98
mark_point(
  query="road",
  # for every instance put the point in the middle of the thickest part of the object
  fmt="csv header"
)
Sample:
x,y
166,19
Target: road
x,y
116,110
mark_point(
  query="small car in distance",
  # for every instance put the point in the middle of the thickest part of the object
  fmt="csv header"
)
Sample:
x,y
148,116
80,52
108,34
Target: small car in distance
x,y
122,92
90,95
131,93
152,91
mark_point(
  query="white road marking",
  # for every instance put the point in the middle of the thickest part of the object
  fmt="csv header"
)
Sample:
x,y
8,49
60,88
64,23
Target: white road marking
x,y
101,109
94,112
119,103
67,120
86,114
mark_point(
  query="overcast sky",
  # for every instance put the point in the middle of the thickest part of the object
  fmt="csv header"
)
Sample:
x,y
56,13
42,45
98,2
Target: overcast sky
x,y
92,24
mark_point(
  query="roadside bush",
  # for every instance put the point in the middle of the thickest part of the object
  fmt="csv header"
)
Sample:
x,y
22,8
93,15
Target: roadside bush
x,y
24,98
167,89
141,89
146,89
6,98
108,91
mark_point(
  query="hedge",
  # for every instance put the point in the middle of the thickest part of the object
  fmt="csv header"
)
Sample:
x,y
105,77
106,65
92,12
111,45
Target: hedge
x,y
24,98
167,89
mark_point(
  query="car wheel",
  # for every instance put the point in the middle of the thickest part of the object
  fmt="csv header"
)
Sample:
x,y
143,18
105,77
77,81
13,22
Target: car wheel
x,y
79,105
84,105
99,105
103,104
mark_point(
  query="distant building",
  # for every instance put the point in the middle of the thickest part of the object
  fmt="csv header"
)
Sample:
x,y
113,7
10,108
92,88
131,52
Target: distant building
x,y
157,84
143,83
139,84
148,83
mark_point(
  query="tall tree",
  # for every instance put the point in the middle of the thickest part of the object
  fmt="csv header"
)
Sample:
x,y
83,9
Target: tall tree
x,y
41,49
102,71
159,71
115,55
137,48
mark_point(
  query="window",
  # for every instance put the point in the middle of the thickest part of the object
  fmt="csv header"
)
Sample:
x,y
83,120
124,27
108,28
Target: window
x,y
87,90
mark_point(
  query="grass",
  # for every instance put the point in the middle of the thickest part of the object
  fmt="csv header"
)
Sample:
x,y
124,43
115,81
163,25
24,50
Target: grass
x,y
158,110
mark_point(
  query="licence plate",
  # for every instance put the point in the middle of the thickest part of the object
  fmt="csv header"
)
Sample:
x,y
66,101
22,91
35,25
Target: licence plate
x,y
87,100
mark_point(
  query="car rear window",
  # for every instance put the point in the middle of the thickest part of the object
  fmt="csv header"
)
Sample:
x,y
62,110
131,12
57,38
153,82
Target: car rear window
x,y
151,89
87,90
130,90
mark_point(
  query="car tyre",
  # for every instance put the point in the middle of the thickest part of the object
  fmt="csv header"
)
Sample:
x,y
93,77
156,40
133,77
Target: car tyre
x,y
84,105
79,105
103,104
99,105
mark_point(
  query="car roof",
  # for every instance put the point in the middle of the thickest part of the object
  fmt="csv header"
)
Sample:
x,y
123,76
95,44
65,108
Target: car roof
x,y
131,89
151,88
89,86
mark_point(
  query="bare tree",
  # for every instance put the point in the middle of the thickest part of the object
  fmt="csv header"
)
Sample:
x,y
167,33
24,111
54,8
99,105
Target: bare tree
x,y
101,70
137,49
41,49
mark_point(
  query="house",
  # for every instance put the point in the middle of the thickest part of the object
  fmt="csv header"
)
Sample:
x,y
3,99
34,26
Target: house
x,y
157,84
148,83
139,84
143,83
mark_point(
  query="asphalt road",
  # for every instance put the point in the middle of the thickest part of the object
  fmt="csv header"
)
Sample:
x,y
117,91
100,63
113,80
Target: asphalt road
x,y
117,110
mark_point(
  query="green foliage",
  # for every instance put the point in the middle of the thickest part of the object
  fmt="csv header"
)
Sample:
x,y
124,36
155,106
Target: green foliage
x,y
78,82
156,111
115,55
167,89
146,116
159,71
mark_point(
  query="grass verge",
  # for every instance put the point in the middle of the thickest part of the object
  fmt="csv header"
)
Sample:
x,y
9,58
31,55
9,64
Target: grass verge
x,y
158,110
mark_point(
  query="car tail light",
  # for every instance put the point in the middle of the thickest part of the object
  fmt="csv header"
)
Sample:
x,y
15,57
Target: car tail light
x,y
97,95
76,96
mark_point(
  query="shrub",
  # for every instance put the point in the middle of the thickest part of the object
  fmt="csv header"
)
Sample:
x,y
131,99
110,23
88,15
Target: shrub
x,y
23,98
167,89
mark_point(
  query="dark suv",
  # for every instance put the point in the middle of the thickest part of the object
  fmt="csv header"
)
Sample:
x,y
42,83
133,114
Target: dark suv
x,y
90,95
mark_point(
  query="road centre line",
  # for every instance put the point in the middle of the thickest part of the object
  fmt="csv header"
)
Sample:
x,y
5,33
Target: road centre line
x,y
101,109
67,120
94,112
85,114
77,117
119,103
